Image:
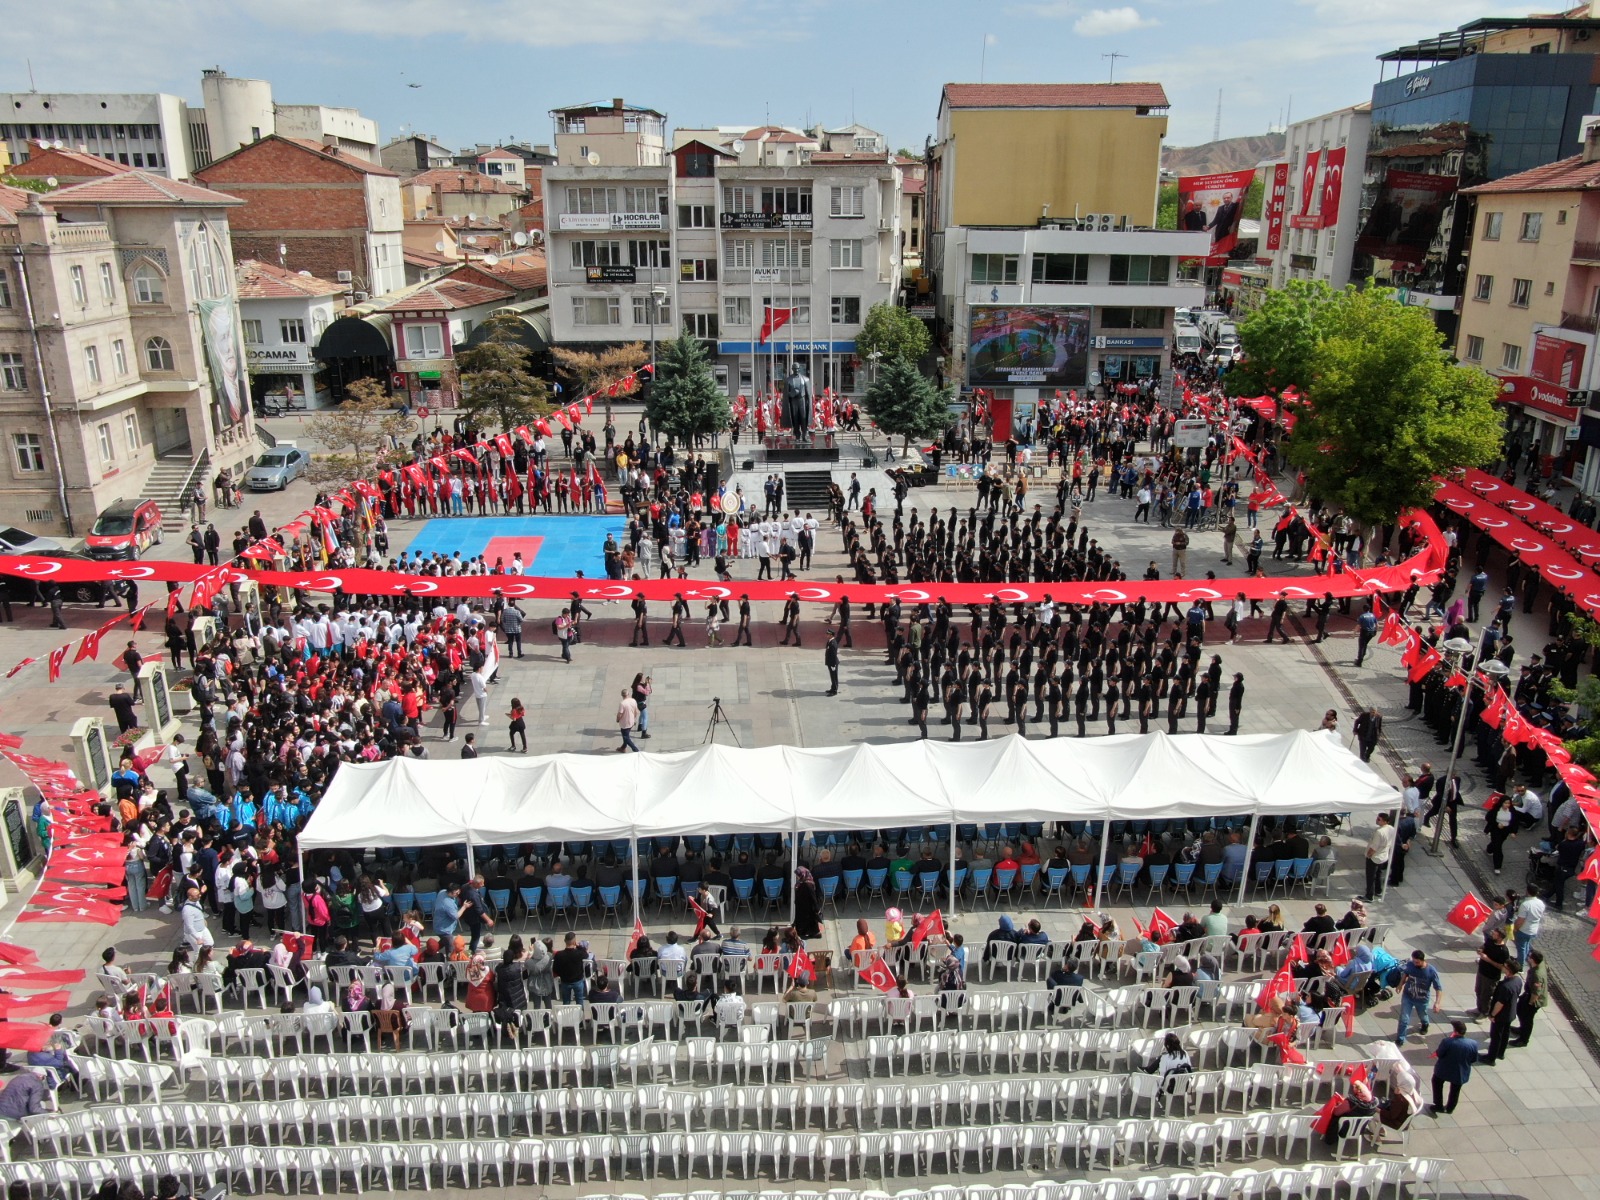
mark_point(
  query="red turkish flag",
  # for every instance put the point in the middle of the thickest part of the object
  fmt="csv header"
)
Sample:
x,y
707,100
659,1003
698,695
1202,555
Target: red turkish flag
x,y
1469,913
932,924
638,935
1162,926
57,657
1591,872
1287,1053
1297,950
1393,630
801,966
42,1005
879,975
1495,711
1348,1005
77,914
1339,952
1419,670
89,647
24,1035
775,319
699,917
503,444
33,980
27,662
1279,983
17,955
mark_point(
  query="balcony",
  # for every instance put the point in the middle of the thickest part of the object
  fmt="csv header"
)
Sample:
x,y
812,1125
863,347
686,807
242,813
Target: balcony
x,y
82,235
1580,322
1586,252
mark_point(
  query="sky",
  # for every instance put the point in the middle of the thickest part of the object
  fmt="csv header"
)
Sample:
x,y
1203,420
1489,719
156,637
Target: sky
x,y
491,70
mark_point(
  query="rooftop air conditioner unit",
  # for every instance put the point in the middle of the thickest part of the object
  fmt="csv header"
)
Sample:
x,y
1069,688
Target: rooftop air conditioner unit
x,y
361,297
345,277
1088,220
1107,223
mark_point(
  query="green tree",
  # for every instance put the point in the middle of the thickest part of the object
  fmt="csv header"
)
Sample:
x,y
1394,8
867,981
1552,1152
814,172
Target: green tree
x,y
360,435
893,332
588,372
1385,410
1280,338
905,403
685,401
496,387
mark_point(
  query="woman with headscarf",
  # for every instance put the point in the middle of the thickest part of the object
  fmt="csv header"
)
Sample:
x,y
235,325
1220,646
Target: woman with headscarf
x,y
480,985
1359,1103
391,1001
315,1003
511,987
355,999
807,904
1405,1090
539,972
458,949
863,939
1179,974
432,952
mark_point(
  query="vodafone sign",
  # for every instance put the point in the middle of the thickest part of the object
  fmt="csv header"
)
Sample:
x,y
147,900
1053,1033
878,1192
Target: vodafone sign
x,y
1539,396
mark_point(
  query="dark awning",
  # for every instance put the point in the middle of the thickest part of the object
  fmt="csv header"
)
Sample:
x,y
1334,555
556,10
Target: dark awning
x,y
533,329
356,337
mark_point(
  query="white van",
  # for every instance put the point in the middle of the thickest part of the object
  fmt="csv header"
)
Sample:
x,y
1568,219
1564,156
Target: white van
x,y
1186,340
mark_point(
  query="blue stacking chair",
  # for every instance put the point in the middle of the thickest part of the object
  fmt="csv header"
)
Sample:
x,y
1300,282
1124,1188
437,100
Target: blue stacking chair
x,y
1055,884
928,886
1004,882
532,898
583,899
829,886
772,889
743,892
666,889
1183,874
875,880
1158,876
981,877
1030,872
560,901
611,902
852,881
499,900
1127,875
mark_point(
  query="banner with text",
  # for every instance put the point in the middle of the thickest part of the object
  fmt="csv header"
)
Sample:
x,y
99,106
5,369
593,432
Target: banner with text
x,y
1213,204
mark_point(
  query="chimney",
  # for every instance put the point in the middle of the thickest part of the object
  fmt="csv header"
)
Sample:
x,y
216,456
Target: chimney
x,y
330,143
616,104
1591,142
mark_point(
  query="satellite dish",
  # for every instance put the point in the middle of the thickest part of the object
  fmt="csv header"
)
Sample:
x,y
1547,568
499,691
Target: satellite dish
x,y
490,260
593,159
307,274
439,245
472,240
519,239
738,145
50,181
282,248
58,144
472,216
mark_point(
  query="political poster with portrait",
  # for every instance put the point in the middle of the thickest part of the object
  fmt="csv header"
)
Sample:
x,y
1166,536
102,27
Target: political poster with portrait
x,y
1405,216
1214,204
217,318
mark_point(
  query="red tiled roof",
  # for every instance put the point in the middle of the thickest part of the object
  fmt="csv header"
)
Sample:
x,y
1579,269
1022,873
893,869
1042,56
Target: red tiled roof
x,y
12,201
1055,95
848,156
457,179
775,133
44,162
267,281
913,187
427,258
525,271
449,295
353,161
1567,175
139,187
499,153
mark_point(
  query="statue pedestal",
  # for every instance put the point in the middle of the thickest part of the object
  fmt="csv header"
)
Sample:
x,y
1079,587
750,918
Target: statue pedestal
x,y
160,718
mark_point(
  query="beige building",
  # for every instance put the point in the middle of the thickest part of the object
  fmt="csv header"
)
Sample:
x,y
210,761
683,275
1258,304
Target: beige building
x,y
1531,303
122,367
610,135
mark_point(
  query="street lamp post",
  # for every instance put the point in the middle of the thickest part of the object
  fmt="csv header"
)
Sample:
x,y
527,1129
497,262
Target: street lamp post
x,y
1455,651
657,294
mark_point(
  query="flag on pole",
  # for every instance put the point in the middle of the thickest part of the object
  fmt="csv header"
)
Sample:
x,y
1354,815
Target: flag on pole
x,y
636,937
930,925
1468,914
1162,926
1348,1006
1339,952
801,966
774,320
1297,950
879,975
1277,985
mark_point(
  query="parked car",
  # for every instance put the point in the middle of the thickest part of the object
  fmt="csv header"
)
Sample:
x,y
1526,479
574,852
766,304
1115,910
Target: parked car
x,y
24,589
277,468
20,541
125,530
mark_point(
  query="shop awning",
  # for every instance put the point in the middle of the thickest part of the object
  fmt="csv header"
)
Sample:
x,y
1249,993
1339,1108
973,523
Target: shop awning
x,y
357,337
533,326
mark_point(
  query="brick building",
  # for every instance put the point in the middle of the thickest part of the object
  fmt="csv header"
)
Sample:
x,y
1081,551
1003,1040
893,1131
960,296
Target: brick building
x,y
331,213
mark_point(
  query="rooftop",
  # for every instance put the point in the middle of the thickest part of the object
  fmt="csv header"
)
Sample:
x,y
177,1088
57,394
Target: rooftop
x,y
138,187
267,281
524,271
1468,39
460,180
12,201
848,156
607,106
1055,95
44,162
1566,175
447,295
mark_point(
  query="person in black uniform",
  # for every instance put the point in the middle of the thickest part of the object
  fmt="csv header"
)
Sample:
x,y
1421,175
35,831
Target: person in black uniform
x,y
1202,704
844,622
744,621
980,709
830,659
680,610
1235,702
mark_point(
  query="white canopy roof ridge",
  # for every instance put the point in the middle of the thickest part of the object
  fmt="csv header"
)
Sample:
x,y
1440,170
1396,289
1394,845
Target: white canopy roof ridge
x,y
781,789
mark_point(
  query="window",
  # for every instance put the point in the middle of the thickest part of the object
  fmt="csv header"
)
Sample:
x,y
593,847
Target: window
x,y
130,431
786,200
994,268
1491,226
108,452
108,287
158,354
597,310
1521,292
847,310
1474,348
1561,216
591,200
148,286
740,253
645,200
91,363
588,253
252,331
1149,268
642,310
319,322
739,199
697,270
119,357
701,325
800,304
424,341
80,293
1060,268
1510,356
785,252
656,252
292,329
1483,287
1532,223
29,451
380,253
844,252
736,310
1133,318
1550,289
13,375
697,216
846,202
5,290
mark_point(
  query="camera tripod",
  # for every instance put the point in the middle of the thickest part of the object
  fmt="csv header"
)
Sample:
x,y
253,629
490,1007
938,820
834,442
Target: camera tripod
x,y
719,717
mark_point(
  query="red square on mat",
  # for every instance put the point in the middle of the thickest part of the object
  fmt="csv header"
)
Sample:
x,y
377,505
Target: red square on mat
x,y
505,547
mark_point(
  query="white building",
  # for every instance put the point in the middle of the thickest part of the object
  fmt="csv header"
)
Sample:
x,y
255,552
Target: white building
x,y
1315,243
710,244
145,130
283,314
610,135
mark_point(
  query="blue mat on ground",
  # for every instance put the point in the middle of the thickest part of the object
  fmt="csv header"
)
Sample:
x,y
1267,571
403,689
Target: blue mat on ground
x,y
553,546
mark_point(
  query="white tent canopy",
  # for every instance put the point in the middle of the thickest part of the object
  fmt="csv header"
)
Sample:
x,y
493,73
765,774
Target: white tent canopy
x,y
782,789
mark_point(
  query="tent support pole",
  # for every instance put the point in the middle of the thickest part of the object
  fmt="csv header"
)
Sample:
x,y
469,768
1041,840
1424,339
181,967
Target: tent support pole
x,y
472,865
1249,851
952,868
633,860
300,857
1097,884
794,869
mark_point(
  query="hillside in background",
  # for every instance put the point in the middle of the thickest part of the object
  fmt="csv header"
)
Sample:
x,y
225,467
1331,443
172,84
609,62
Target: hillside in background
x,y
1230,154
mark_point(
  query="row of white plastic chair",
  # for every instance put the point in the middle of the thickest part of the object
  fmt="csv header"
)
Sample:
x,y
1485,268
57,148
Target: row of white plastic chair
x,y
478,1161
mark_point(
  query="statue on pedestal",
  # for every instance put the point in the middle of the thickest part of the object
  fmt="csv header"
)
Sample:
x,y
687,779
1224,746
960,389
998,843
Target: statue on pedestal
x,y
797,404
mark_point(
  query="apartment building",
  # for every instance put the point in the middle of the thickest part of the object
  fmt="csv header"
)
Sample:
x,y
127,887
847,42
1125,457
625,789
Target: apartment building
x,y
598,134
1046,270
120,347
729,232
284,314
1316,188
